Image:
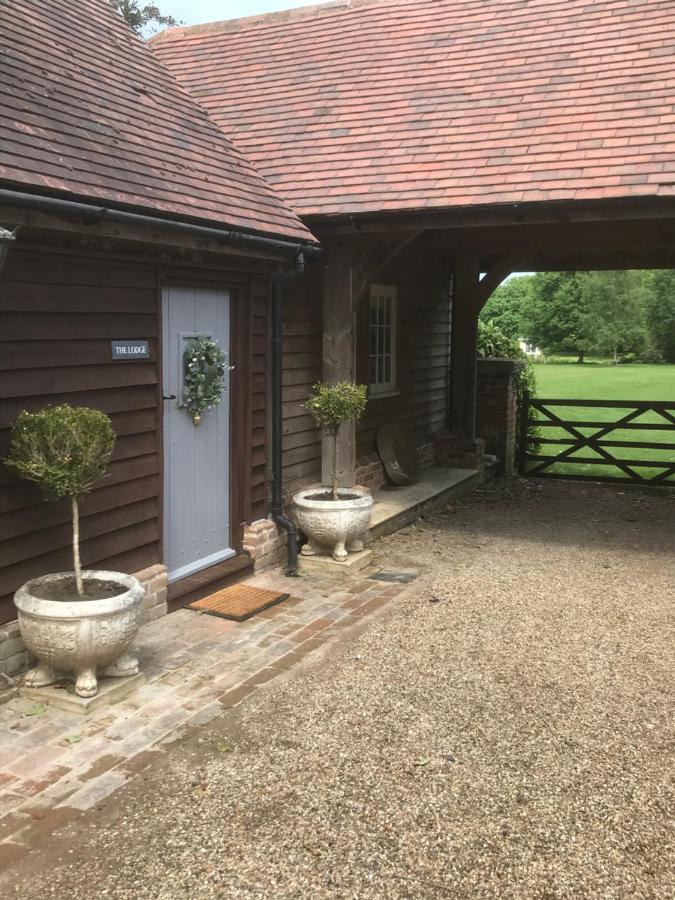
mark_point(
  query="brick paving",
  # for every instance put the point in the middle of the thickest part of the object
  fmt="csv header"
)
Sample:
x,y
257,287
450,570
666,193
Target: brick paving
x,y
55,764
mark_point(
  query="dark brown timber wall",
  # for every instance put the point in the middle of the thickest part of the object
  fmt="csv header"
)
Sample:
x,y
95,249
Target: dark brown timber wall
x,y
259,389
423,352
58,313
302,348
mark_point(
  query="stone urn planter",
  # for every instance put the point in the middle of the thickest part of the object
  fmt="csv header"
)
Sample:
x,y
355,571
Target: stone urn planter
x,y
78,622
333,526
86,636
334,518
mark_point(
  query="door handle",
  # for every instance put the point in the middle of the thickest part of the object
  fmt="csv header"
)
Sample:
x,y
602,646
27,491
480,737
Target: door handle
x,y
170,397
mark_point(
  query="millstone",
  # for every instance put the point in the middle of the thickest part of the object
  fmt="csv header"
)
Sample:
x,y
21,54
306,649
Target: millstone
x,y
398,454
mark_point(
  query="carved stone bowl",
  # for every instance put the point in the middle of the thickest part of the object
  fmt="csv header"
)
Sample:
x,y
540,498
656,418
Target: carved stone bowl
x,y
82,636
333,526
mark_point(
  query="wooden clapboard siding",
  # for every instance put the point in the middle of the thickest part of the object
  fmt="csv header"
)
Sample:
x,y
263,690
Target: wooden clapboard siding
x,y
259,387
58,313
302,346
423,352
59,310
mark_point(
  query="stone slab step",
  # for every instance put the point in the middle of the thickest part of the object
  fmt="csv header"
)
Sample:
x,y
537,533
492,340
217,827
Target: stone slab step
x,y
396,507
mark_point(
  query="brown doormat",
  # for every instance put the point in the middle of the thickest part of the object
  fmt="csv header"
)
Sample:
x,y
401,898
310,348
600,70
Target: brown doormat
x,y
238,602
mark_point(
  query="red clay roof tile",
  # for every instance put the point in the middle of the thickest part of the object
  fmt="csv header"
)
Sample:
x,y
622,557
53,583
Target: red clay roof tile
x,y
453,101
89,111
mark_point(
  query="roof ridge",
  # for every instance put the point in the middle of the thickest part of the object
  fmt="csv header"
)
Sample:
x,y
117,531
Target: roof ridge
x,y
281,15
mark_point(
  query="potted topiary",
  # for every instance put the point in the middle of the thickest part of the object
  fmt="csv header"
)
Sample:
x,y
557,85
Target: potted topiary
x,y
334,519
73,622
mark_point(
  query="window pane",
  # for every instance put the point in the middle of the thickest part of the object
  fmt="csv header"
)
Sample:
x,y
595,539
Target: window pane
x,y
381,337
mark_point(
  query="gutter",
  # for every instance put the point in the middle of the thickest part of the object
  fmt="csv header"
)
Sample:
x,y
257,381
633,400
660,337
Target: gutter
x,y
293,537
95,215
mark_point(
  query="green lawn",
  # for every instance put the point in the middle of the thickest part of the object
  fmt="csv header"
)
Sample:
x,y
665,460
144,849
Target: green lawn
x,y
607,382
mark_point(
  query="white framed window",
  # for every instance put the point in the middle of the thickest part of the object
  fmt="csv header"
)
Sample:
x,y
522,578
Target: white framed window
x,y
382,337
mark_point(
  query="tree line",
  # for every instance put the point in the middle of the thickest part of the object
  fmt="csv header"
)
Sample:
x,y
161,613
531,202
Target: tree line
x,y
629,315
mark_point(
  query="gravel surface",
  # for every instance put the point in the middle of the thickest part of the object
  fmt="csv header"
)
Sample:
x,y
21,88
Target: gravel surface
x,y
503,730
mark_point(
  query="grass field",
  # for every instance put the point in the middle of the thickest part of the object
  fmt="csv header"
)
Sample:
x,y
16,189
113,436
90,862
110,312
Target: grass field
x,y
607,382
596,382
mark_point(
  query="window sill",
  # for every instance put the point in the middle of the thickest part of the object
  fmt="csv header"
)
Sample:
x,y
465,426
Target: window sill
x,y
383,395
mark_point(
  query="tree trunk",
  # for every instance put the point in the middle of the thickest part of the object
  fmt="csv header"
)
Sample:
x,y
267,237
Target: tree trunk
x,y
76,546
580,358
334,475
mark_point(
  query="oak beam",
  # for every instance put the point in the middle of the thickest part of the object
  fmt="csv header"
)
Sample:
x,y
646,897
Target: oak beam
x,y
470,294
487,285
567,212
339,353
373,265
463,347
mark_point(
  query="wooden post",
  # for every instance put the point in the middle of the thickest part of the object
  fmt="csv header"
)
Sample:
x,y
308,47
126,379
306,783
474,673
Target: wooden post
x,y
339,340
464,343
524,414
470,295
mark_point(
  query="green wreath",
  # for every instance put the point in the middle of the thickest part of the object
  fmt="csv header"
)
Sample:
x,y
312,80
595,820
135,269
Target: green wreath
x,y
204,370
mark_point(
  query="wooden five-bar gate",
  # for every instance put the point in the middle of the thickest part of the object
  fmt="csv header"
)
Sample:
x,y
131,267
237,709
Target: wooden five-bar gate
x,y
559,439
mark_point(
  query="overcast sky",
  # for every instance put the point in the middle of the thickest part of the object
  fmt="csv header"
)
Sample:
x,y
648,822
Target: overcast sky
x,y
193,12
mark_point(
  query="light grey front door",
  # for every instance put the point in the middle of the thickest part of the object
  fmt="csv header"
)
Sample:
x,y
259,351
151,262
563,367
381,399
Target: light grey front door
x,y
196,458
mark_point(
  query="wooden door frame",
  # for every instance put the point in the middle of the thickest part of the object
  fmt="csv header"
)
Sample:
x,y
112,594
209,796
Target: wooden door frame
x,y
240,395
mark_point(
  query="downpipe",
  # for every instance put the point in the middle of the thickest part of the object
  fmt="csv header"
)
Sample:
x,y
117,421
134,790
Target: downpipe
x,y
278,517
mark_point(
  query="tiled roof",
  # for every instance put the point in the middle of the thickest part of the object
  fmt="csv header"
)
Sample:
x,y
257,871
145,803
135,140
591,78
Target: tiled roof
x,y
365,105
87,110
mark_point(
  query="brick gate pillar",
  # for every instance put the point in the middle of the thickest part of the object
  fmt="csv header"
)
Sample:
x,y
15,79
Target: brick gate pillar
x,y
496,410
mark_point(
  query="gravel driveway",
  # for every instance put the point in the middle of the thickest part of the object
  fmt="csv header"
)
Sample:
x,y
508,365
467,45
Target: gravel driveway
x,y
503,730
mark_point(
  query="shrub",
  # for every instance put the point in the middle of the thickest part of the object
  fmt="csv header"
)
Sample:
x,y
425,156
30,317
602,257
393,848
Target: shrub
x,y
494,344
65,450
331,406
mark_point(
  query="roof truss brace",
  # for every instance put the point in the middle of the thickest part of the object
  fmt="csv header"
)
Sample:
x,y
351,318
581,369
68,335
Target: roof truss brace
x,y
489,283
376,260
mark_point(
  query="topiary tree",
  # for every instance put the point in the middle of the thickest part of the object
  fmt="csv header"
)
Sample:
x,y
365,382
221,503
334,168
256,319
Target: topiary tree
x,y
65,450
332,405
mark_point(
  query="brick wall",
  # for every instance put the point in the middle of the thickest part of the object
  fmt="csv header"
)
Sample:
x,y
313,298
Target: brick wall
x,y
15,659
265,543
496,410
369,472
426,454
155,580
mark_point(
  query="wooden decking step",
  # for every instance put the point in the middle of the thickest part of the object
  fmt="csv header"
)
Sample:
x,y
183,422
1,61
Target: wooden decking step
x,y
238,602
